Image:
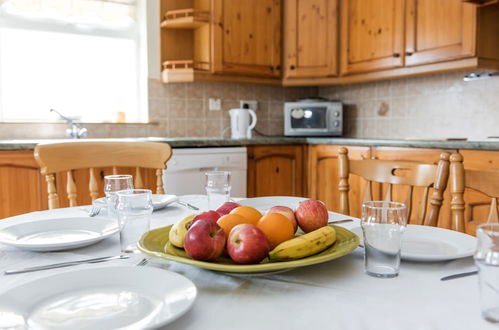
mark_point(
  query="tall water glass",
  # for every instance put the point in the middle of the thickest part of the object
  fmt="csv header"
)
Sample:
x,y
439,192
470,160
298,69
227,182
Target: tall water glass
x,y
382,225
487,260
113,184
134,215
217,188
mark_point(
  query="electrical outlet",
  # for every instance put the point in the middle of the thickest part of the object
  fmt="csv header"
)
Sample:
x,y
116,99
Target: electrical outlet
x,y
214,104
249,104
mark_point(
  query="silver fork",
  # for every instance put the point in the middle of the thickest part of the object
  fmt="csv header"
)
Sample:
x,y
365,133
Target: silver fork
x,y
143,262
94,211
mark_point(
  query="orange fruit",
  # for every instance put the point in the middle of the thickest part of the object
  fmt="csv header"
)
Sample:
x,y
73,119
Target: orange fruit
x,y
250,213
229,221
277,227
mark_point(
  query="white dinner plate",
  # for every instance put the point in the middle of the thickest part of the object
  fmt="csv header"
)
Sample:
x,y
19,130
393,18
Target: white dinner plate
x,y
159,201
114,297
265,203
58,234
426,243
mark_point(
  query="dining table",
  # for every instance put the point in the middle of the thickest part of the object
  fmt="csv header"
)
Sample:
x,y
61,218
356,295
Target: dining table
x,y
336,294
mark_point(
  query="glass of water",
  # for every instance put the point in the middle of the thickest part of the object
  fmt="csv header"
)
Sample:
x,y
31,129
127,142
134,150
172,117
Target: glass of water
x,y
487,260
134,209
217,188
113,184
382,225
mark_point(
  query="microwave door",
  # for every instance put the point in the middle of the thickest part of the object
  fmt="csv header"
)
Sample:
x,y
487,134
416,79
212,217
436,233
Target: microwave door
x,y
309,118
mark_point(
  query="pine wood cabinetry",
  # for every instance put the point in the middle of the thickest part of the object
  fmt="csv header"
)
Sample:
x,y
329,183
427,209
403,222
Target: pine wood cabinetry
x,y
477,205
22,187
372,35
247,37
276,171
310,31
430,38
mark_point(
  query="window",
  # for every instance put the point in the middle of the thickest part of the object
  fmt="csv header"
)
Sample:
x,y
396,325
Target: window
x,y
79,57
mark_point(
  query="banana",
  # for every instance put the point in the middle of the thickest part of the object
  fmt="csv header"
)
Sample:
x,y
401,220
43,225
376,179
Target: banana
x,y
178,231
304,245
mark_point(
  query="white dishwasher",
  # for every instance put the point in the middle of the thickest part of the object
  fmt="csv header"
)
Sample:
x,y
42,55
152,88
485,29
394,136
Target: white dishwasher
x,y
185,170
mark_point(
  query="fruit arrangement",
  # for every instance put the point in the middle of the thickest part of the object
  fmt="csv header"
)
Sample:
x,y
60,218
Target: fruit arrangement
x,y
248,236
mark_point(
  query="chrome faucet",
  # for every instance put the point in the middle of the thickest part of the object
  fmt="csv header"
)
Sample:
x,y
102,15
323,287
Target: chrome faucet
x,y
75,131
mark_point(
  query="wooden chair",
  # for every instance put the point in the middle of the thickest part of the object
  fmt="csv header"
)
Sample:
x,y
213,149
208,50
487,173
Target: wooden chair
x,y
66,157
392,173
483,181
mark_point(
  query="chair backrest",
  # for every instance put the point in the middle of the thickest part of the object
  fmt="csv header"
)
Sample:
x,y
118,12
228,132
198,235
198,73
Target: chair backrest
x,y
392,173
65,157
483,181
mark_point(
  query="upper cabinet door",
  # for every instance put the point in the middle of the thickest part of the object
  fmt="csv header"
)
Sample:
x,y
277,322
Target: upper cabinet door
x,y
310,38
372,35
247,37
439,30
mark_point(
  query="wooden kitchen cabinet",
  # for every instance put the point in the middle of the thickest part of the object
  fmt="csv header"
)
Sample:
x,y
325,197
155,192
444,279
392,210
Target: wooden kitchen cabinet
x,y
323,176
372,35
476,207
431,39
276,171
22,187
310,31
247,37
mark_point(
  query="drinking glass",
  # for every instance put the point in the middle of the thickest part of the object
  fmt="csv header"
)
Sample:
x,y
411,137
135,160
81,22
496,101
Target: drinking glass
x,y
217,188
134,209
382,225
487,260
113,184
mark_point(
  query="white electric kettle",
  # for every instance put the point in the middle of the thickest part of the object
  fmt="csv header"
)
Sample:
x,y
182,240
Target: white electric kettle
x,y
240,123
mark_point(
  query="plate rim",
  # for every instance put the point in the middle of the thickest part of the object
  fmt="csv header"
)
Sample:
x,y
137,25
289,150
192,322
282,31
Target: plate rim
x,y
117,268
438,257
252,268
67,245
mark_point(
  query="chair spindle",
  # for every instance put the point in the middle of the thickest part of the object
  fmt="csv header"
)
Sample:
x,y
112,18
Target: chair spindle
x,y
159,181
93,186
53,198
139,183
71,189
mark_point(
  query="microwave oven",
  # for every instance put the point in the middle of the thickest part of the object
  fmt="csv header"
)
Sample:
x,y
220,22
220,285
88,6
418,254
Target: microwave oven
x,y
313,118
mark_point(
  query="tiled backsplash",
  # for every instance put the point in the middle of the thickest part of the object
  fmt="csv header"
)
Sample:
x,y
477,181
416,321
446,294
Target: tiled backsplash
x,y
435,106
182,109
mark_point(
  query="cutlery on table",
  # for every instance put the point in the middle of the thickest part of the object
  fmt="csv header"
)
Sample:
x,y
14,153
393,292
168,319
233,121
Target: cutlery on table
x,y
94,211
189,206
451,277
143,262
339,221
63,264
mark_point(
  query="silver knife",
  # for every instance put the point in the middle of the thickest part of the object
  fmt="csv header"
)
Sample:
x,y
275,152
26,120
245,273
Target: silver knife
x,y
339,221
63,264
190,206
451,277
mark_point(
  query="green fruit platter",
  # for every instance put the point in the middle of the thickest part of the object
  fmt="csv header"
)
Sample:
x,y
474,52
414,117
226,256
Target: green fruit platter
x,y
156,243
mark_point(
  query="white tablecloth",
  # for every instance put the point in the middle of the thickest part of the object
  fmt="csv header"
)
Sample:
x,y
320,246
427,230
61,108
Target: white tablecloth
x,y
332,295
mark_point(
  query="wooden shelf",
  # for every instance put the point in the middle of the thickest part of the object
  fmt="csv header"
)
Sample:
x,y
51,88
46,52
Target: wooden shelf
x,y
185,19
183,70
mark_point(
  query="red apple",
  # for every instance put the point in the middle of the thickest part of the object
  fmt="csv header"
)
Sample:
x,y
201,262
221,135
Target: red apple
x,y
208,215
205,240
311,215
247,244
226,207
286,211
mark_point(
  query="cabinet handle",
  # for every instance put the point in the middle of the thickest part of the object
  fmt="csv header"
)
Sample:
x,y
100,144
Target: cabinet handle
x,y
408,53
251,156
278,67
396,55
292,67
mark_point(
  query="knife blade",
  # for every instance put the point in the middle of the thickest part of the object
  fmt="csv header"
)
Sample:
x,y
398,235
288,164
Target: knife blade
x,y
63,264
451,277
190,206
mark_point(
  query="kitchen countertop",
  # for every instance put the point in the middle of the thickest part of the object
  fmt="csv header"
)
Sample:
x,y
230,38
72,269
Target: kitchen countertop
x,y
273,140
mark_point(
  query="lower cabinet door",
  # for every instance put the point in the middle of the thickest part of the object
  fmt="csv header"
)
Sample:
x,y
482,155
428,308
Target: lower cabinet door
x,y
275,171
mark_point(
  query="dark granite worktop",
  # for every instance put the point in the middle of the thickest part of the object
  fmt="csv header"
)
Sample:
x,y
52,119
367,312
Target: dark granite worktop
x,y
274,140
